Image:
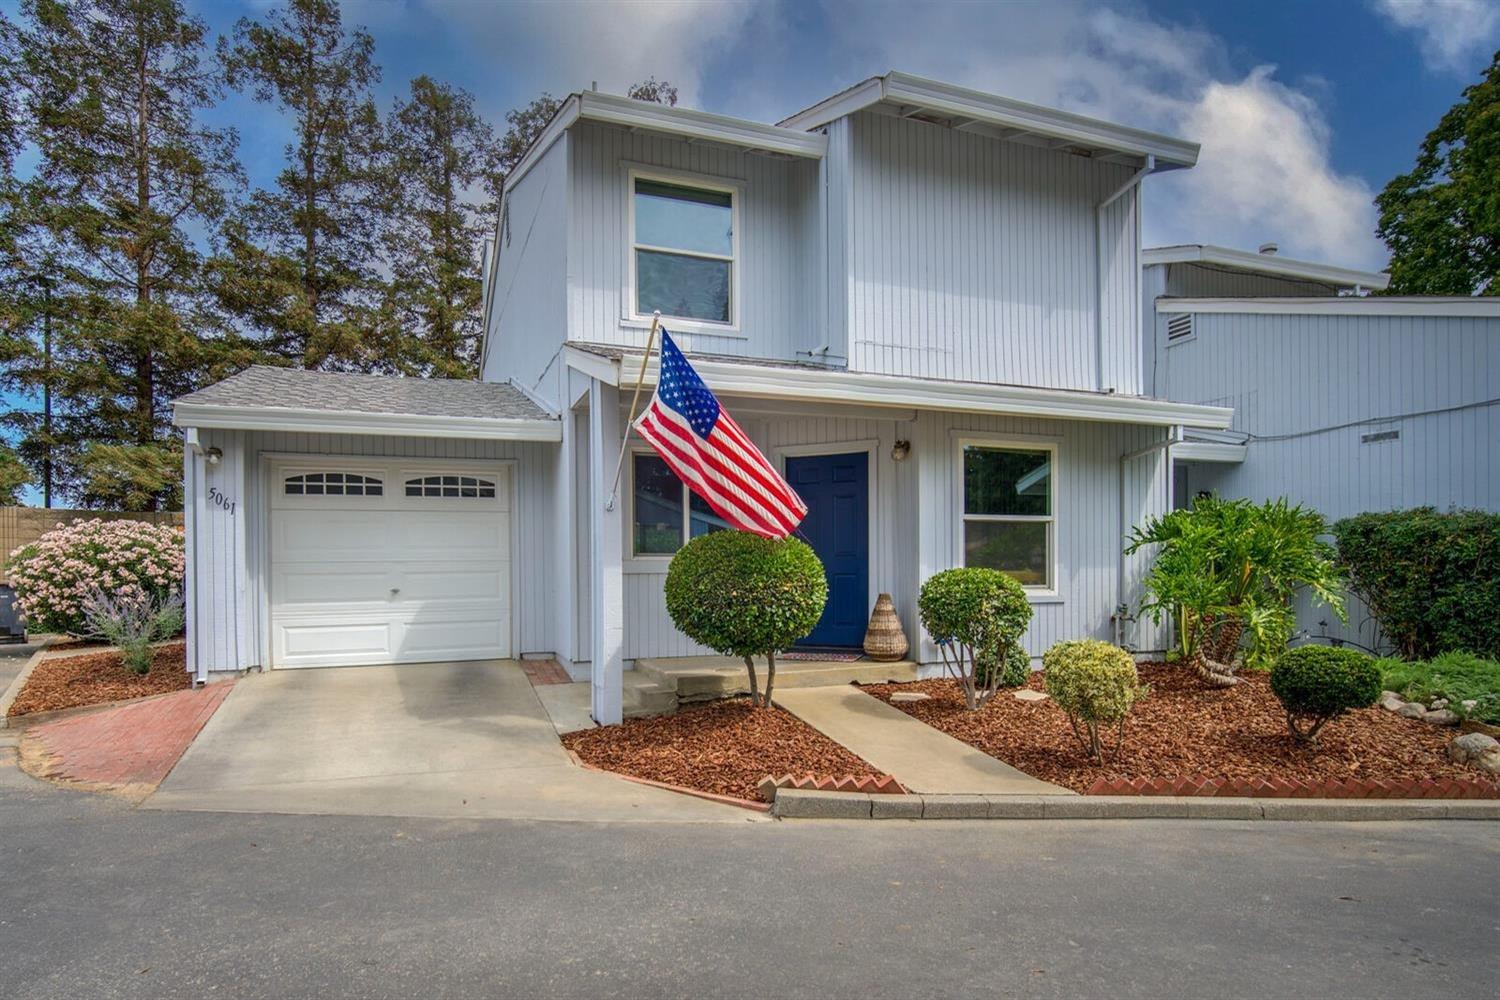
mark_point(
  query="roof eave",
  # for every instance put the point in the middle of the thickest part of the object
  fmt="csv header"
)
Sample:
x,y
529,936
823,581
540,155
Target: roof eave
x,y
279,418
897,392
1002,112
1260,263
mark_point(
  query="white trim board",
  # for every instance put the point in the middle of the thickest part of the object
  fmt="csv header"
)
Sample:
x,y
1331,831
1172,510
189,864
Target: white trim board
x,y
841,386
1263,263
280,418
1373,305
1008,118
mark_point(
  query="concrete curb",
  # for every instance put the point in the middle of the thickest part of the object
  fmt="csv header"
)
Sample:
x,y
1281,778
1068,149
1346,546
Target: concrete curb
x,y
800,804
9,697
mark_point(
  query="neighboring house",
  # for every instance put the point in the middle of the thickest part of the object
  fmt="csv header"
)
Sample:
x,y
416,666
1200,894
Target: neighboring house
x,y
1342,402
923,303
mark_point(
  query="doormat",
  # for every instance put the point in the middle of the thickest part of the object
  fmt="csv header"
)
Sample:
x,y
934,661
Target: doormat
x,y
809,654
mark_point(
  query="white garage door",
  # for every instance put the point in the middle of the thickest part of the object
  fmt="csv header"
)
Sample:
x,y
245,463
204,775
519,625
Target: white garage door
x,y
389,562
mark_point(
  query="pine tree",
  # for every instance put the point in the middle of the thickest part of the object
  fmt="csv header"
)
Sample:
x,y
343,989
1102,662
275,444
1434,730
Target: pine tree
x,y
438,153
300,260
126,169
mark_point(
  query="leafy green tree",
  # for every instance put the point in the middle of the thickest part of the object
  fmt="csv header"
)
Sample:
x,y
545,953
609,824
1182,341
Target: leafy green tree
x,y
14,477
437,152
1442,219
299,265
1225,567
126,171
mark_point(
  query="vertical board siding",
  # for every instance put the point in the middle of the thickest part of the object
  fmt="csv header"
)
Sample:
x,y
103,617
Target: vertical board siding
x,y
228,570
778,241
1212,281
528,318
1308,376
975,259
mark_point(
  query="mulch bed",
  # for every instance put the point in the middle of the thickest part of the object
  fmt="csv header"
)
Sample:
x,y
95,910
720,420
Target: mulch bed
x,y
98,678
724,748
1183,730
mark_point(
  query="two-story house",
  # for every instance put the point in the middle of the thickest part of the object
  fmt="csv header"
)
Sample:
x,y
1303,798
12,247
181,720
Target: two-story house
x,y
922,302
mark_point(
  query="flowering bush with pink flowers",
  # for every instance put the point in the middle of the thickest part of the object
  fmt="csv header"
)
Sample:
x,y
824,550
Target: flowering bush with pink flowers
x,y
130,560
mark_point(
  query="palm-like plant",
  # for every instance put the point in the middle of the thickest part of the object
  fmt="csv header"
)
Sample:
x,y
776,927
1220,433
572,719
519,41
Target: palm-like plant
x,y
1228,566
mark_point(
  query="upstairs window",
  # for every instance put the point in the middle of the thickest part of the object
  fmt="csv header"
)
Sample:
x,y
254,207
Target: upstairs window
x,y
1008,512
683,247
664,512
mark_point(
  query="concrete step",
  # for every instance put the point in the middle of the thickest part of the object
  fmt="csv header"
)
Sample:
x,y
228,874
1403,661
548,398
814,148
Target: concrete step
x,y
645,696
706,678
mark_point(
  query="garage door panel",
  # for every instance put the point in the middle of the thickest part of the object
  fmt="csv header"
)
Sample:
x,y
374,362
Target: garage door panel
x,y
389,580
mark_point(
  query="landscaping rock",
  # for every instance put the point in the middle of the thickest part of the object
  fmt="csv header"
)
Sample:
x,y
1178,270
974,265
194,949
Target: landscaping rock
x,y
1469,704
1477,750
1441,717
1026,694
1412,710
1438,704
1391,701
911,696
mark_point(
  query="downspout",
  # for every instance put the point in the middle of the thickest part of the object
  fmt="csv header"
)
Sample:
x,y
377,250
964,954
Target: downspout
x,y
1119,192
192,515
1122,610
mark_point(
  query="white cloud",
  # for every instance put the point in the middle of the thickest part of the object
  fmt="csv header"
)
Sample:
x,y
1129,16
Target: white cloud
x,y
1265,172
1452,32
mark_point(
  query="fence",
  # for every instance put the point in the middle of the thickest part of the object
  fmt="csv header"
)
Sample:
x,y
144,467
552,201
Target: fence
x,y
22,525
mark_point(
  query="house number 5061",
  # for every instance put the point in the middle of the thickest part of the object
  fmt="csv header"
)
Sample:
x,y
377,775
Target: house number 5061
x,y
220,500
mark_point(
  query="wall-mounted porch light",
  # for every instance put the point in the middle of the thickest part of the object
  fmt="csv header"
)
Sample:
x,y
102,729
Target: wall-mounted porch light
x,y
900,451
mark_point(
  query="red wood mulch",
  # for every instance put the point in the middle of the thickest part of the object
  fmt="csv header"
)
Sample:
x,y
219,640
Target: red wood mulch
x,y
98,678
1182,729
724,748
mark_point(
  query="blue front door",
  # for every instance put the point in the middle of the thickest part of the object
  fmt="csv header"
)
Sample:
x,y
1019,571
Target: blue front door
x,y
836,489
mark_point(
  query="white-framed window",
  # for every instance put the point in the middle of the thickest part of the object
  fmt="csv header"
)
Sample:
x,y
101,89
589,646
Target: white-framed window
x,y
332,484
1009,509
664,513
451,485
684,249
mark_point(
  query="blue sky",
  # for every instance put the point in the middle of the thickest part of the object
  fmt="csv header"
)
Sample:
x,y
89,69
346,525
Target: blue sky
x,y
1304,109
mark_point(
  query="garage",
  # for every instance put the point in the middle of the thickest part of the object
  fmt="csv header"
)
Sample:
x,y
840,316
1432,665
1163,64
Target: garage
x,y
376,561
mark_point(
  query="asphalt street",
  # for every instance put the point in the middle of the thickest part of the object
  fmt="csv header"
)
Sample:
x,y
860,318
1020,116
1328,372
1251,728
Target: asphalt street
x,y
98,899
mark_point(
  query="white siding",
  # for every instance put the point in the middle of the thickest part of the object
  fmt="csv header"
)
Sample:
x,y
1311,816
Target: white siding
x,y
974,259
1310,376
227,574
528,317
778,270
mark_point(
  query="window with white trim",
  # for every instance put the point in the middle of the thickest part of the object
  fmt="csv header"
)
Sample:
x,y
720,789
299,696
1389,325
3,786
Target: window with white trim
x,y
1008,511
338,484
451,485
683,247
664,513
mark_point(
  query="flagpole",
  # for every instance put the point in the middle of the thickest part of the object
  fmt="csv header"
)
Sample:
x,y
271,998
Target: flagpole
x,y
614,486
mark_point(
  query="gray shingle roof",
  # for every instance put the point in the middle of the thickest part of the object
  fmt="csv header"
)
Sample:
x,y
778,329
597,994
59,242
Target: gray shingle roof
x,y
292,388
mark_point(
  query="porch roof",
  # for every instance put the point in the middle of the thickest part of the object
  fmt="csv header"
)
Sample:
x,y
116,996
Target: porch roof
x,y
775,379
289,399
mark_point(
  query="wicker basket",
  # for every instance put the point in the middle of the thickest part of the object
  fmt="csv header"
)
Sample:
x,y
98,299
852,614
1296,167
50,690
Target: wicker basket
x,y
885,640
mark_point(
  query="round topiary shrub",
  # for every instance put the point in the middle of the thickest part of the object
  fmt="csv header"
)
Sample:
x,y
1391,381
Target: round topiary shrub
x,y
746,596
132,561
977,617
1014,673
1095,682
1318,683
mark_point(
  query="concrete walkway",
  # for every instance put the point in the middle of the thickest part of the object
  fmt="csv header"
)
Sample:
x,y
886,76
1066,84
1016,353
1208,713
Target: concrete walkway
x,y
920,757
444,740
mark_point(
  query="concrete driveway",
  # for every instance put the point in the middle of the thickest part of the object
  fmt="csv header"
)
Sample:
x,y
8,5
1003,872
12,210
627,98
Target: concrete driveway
x,y
443,740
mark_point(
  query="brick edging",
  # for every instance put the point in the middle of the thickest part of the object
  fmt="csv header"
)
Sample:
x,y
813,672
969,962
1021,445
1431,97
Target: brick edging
x,y
1291,788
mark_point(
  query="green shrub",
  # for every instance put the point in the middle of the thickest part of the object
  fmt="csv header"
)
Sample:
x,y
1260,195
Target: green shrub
x,y
1015,673
1458,677
1431,580
1317,683
746,596
1225,569
976,616
1095,682
133,625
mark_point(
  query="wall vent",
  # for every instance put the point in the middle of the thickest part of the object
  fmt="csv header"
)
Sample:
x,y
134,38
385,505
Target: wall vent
x,y
1179,327
1379,436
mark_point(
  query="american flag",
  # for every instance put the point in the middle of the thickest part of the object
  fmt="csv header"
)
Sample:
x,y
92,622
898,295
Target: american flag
x,y
703,445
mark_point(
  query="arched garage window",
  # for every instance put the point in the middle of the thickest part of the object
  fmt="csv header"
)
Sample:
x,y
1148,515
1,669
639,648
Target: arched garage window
x,y
341,484
451,486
